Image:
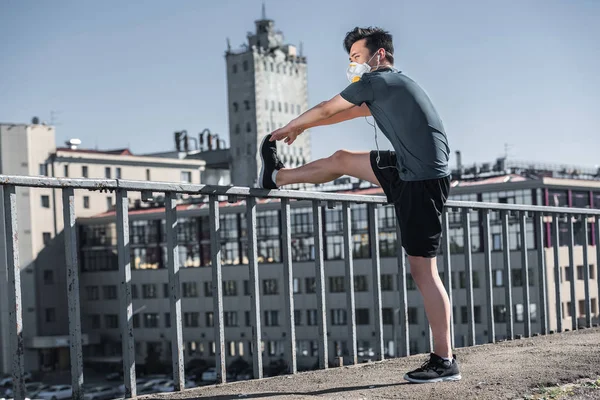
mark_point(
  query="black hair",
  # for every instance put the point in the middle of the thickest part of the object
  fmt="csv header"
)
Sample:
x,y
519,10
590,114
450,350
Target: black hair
x,y
377,38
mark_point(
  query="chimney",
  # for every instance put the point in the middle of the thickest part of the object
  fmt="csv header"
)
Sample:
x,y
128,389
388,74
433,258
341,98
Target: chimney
x,y
458,160
201,142
209,141
217,142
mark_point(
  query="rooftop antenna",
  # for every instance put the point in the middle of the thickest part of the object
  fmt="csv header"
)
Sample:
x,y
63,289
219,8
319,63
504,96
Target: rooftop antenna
x,y
507,147
264,12
228,45
301,48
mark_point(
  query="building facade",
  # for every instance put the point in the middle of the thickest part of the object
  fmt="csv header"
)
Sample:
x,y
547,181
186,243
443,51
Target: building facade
x,y
266,87
30,149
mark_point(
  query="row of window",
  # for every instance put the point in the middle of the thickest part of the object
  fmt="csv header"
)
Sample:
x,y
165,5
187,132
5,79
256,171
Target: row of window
x,y
186,176
284,107
268,66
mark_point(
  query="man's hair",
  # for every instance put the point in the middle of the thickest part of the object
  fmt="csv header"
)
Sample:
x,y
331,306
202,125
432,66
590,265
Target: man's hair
x,y
377,38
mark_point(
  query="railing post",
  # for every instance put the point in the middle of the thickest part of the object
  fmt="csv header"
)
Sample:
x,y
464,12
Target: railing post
x,y
574,322
586,273
447,269
320,281
489,284
257,365
288,279
557,272
510,332
597,233
349,281
217,286
174,290
469,274
126,307
403,310
15,329
72,271
543,286
525,274
376,270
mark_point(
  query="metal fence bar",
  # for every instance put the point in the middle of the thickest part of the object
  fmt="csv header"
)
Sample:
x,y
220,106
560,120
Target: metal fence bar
x,y
447,268
466,219
349,281
257,366
510,331
288,287
320,281
557,272
525,274
14,292
403,309
597,233
125,305
174,290
376,270
429,337
586,274
72,271
574,322
543,287
217,287
489,283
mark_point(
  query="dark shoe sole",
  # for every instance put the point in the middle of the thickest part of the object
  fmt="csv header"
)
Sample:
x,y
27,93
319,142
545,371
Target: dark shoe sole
x,y
262,165
440,379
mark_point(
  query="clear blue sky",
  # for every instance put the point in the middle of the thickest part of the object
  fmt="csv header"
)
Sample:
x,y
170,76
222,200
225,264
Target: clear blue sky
x,y
130,73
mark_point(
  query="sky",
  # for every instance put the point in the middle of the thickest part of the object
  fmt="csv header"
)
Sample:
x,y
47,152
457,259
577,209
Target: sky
x,y
517,76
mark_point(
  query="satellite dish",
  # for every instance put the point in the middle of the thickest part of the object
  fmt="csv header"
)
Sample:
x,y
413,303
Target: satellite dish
x,y
35,121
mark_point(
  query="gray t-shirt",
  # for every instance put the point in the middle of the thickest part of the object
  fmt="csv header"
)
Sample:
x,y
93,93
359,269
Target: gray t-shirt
x,y
406,116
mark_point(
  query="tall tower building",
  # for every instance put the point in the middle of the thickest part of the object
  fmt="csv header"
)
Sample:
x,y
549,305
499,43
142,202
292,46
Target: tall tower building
x,y
267,87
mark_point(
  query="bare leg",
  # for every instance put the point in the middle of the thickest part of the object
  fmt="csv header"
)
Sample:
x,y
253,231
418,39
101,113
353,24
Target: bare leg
x,y
437,305
342,162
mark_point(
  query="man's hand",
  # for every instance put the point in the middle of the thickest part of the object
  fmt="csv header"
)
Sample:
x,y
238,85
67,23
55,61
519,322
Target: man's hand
x,y
288,134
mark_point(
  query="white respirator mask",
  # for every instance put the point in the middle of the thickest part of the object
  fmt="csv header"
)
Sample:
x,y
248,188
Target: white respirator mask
x,y
355,70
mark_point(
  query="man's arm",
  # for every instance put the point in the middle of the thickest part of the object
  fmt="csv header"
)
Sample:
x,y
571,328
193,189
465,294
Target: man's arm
x,y
326,113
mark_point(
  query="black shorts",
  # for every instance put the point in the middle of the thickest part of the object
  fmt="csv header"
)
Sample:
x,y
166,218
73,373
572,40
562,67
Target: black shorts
x,y
418,205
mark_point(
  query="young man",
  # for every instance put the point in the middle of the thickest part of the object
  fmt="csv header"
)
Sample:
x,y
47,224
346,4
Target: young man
x,y
415,177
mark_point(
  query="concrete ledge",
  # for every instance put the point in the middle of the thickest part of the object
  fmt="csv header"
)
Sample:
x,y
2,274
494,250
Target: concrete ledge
x,y
506,370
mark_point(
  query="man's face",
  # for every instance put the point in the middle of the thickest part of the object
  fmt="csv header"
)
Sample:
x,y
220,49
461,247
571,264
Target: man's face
x,y
359,53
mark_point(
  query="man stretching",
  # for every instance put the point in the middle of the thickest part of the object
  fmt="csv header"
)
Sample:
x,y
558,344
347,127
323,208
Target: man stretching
x,y
415,177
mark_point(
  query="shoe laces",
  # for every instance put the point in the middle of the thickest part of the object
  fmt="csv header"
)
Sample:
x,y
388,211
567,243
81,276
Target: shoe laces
x,y
276,160
428,365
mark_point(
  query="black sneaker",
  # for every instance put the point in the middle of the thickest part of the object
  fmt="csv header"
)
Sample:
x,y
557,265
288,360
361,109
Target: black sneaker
x,y
435,369
270,163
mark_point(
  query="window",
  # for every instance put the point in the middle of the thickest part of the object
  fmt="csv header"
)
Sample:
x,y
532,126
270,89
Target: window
x,y
246,104
247,318
95,321
235,106
297,317
43,170
151,320
413,315
190,319
360,283
66,171
186,177
107,172
111,321
285,107
338,316
246,288
189,289
410,282
279,106
46,237
245,65
500,314
248,127
149,291
50,315
237,128
234,68
109,292
167,320
109,202
48,277
45,201
271,318
208,292
387,315
210,319
476,314
336,284
297,108
296,285
229,288
230,318
84,171
118,173
311,317
92,293
311,285
86,202
134,292
266,104
362,316
147,174
462,276
498,278
166,290
387,282
270,286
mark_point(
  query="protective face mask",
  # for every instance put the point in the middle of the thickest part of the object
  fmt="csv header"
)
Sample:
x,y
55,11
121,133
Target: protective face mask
x,y
355,70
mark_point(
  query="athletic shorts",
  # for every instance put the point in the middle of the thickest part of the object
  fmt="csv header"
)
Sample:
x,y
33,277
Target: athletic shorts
x,y
418,205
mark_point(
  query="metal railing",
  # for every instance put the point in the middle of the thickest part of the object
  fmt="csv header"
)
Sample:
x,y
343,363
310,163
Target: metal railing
x,y
538,214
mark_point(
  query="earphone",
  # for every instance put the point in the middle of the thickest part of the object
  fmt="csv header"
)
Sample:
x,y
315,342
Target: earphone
x,y
377,145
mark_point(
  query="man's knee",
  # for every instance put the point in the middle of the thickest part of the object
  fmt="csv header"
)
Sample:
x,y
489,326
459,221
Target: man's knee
x,y
339,159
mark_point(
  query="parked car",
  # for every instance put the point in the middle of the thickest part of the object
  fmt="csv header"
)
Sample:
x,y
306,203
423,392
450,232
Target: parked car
x,y
100,393
6,380
114,376
57,392
138,383
151,386
31,390
210,375
170,386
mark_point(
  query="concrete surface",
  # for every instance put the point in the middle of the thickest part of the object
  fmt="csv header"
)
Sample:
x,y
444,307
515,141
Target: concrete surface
x,y
523,368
